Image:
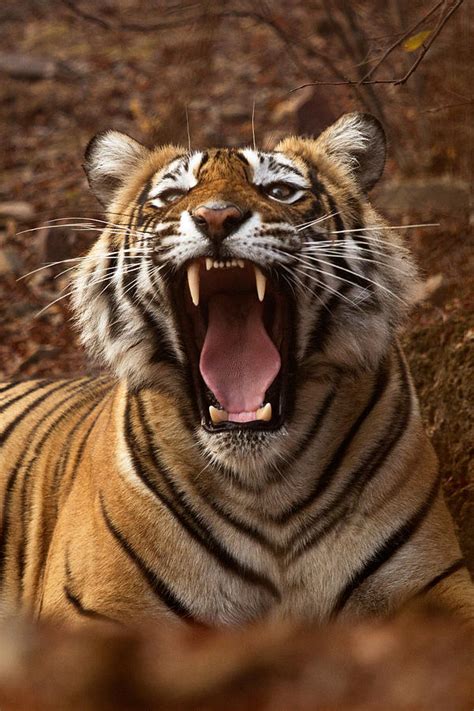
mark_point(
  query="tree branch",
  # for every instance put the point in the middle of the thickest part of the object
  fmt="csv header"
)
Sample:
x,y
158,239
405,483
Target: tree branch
x,y
400,39
405,77
129,26
432,38
293,46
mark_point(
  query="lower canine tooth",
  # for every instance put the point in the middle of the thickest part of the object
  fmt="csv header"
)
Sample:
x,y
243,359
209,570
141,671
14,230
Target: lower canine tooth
x,y
265,413
261,282
218,415
193,282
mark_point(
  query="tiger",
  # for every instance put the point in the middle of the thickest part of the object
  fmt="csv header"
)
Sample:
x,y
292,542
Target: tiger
x,y
257,451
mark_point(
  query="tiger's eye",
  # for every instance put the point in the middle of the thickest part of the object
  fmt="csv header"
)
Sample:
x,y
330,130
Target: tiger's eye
x,y
280,191
171,195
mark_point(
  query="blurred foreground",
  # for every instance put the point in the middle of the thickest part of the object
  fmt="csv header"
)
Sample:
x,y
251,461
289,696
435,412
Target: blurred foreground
x,y
419,661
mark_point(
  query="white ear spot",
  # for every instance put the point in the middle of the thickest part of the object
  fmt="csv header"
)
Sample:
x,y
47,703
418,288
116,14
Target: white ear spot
x,y
109,159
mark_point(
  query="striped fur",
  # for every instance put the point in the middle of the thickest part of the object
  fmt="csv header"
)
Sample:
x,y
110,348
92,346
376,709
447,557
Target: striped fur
x,y
118,504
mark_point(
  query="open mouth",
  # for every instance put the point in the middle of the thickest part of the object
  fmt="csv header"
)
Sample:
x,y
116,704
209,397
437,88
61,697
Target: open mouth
x,y
236,323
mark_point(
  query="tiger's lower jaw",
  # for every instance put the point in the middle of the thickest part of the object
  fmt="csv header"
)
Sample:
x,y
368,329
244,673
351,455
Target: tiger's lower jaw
x,y
237,328
249,456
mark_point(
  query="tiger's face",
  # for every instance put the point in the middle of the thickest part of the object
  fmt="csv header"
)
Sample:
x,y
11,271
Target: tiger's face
x,y
240,274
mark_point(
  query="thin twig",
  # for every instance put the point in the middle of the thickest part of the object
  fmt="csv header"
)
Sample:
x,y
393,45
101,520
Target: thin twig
x,y
253,127
187,128
127,26
400,39
294,48
405,77
446,106
426,47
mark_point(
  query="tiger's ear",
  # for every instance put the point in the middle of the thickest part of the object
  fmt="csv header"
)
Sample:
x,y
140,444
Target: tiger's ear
x,y
358,142
109,159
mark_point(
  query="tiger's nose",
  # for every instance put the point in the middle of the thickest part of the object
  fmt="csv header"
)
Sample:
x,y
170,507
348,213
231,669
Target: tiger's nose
x,y
218,221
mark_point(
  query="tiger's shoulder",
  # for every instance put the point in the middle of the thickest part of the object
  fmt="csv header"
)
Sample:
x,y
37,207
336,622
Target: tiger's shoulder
x,y
33,411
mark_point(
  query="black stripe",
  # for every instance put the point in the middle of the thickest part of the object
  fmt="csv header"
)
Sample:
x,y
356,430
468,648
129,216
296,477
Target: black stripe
x,y
186,516
129,284
453,568
38,384
163,351
239,525
125,248
366,470
381,382
204,159
14,473
8,386
389,548
316,425
63,462
76,602
29,409
169,176
339,262
317,187
241,157
24,508
85,611
114,324
321,330
159,587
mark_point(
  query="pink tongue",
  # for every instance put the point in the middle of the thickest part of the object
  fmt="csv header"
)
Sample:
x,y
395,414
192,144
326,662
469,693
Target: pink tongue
x,y
238,360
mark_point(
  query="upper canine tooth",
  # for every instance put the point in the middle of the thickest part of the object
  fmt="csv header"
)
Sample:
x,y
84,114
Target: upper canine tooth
x,y
240,262
218,415
265,413
193,282
261,282
208,263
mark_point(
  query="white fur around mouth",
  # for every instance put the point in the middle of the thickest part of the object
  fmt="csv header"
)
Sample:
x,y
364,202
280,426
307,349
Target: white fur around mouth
x,y
194,278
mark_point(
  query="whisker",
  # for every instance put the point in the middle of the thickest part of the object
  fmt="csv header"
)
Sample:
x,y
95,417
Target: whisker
x,y
318,220
385,227
84,227
326,286
351,271
253,127
50,264
319,282
135,254
327,253
306,225
60,298
369,240
345,249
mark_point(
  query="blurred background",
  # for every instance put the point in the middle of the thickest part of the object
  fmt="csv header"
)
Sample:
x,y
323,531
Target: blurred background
x,y
71,68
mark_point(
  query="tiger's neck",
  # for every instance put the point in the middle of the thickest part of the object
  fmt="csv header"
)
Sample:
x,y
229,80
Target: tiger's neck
x,y
342,430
